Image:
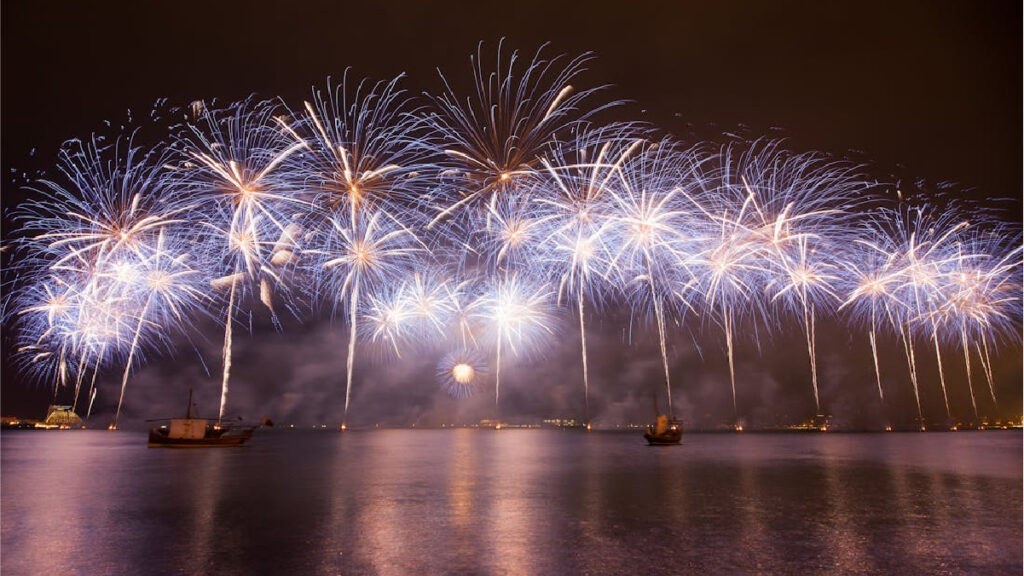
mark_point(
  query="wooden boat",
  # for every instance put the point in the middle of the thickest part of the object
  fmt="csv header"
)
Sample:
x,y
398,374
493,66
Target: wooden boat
x,y
189,432
664,433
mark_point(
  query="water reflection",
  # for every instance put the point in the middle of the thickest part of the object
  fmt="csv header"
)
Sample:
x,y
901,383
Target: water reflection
x,y
42,500
753,531
201,479
517,516
512,502
462,466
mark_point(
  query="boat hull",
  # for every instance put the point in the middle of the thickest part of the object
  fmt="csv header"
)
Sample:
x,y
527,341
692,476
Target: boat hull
x,y
667,438
159,438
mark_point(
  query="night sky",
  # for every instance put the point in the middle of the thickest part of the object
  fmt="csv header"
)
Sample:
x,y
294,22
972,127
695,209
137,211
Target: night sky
x,y
923,89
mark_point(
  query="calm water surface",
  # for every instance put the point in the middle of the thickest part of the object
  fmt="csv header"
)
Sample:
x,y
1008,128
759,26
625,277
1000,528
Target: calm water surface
x,y
513,502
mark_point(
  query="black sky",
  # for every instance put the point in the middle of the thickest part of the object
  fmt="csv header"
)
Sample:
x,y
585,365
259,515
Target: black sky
x,y
935,86
921,89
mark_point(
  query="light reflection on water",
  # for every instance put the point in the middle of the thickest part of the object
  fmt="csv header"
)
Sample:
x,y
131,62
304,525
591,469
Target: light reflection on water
x,y
512,502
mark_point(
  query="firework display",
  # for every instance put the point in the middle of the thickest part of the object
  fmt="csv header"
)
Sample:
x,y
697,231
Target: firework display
x,y
462,373
489,223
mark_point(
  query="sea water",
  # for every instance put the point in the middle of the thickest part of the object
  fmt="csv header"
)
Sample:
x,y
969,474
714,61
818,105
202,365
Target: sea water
x,y
474,501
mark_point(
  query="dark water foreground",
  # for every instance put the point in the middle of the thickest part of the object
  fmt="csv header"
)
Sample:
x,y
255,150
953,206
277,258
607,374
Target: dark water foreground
x,y
513,502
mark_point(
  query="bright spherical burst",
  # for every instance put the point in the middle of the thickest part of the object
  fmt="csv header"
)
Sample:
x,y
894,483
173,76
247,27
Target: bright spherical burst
x,y
461,373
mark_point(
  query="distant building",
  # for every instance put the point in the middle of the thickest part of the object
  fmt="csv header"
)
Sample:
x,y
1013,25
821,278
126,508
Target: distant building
x,y
562,423
62,417
15,423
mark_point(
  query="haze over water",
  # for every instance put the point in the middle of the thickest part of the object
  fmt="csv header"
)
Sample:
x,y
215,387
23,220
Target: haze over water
x,y
513,502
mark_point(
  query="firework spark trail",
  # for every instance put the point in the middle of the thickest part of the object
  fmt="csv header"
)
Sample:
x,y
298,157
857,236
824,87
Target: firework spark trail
x,y
226,352
498,136
801,205
986,364
361,255
869,285
92,381
967,366
906,337
230,160
731,260
577,218
650,230
43,312
389,317
92,398
81,378
351,357
942,376
727,321
583,353
978,297
366,168
517,315
924,256
497,373
874,354
168,290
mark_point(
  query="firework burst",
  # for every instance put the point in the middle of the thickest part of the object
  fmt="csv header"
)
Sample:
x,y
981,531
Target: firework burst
x,y
495,138
651,234
231,160
470,221
362,256
516,315
462,373
575,252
